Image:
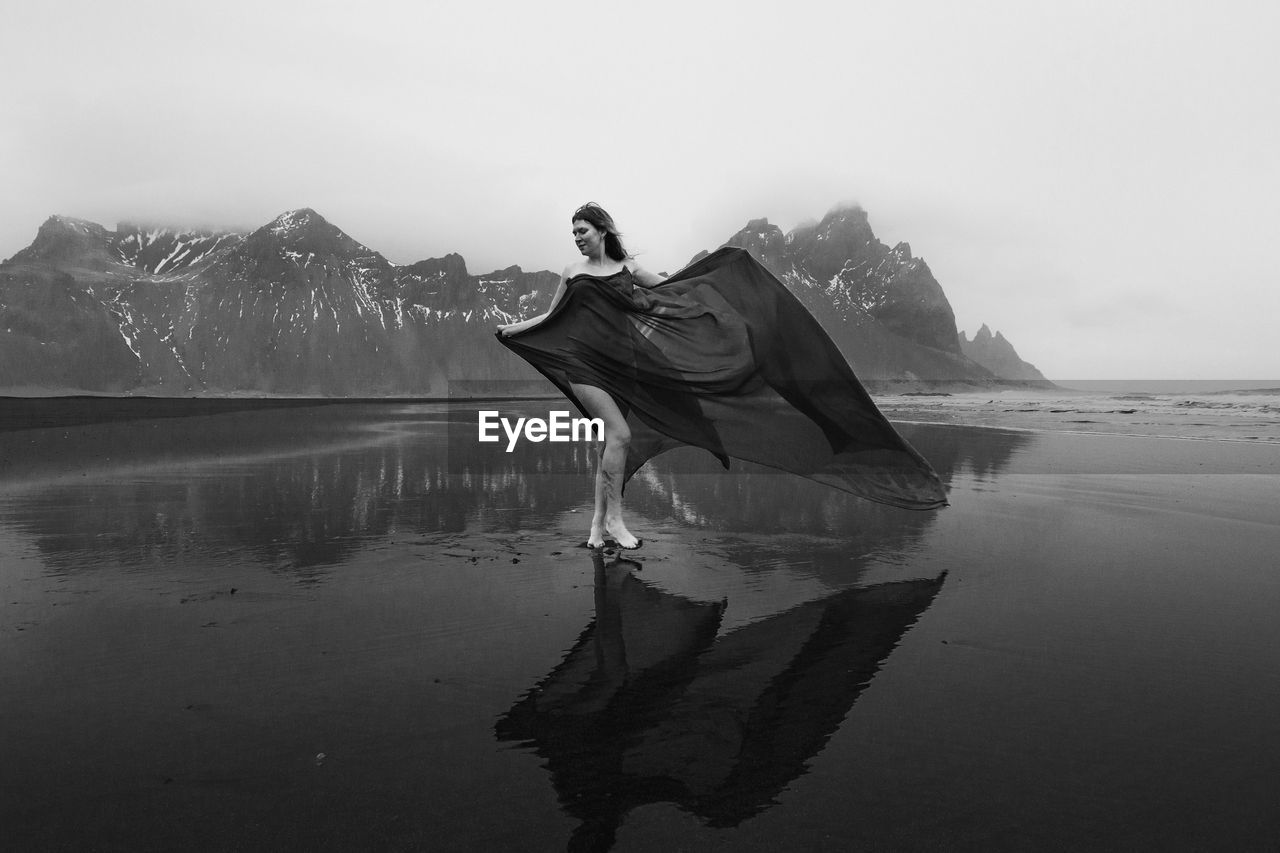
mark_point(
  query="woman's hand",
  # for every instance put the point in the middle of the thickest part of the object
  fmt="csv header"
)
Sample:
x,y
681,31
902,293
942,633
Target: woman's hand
x,y
509,329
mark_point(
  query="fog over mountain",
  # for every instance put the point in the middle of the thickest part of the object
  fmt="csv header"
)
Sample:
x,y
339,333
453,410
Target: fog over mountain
x,y
297,307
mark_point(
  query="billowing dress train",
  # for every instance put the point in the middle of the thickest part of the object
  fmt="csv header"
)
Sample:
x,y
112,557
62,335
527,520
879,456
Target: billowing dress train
x,y
723,357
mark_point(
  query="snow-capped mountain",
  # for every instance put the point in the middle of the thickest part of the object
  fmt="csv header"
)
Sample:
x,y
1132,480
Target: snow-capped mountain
x,y
295,307
298,307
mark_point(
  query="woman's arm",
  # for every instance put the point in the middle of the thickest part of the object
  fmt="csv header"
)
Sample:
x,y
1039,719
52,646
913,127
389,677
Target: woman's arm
x,y
512,328
648,279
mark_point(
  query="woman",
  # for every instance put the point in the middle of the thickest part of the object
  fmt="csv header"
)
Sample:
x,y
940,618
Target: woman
x,y
720,356
603,257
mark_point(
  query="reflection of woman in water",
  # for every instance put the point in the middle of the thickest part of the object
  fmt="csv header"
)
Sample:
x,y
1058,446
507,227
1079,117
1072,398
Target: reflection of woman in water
x,y
655,704
719,356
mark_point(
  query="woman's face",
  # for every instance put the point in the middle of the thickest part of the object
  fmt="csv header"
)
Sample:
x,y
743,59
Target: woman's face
x,y
588,238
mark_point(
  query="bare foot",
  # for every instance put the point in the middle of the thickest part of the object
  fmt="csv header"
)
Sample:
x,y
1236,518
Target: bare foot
x,y
619,532
596,538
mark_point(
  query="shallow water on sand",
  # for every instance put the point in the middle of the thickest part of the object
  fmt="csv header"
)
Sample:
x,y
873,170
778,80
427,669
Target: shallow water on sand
x,y
352,626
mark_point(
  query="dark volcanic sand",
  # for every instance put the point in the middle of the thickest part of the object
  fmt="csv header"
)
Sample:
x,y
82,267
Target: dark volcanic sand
x,y
352,627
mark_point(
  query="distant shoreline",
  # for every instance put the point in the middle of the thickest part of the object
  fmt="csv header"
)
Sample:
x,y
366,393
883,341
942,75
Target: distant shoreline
x,y
1252,416
881,387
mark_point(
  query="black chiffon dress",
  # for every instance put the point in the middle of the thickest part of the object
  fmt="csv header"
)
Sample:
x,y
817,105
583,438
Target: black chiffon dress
x,y
723,357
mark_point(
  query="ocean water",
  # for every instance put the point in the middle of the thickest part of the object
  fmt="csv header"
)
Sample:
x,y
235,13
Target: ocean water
x,y
1202,410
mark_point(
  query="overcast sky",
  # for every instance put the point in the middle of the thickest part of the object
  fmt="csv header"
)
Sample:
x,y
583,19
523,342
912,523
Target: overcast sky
x,y
1097,180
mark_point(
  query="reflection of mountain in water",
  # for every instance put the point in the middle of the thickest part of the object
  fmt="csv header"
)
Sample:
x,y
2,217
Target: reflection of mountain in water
x,y
954,451
294,489
649,706
302,488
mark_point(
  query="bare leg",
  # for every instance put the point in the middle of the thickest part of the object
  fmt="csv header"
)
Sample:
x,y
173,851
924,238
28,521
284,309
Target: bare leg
x,y
596,537
609,469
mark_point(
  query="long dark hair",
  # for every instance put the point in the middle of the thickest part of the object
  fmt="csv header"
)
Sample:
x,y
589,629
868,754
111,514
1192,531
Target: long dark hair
x,y
598,217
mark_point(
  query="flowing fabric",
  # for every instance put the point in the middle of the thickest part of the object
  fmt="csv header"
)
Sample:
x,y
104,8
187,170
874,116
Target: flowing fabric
x,y
723,357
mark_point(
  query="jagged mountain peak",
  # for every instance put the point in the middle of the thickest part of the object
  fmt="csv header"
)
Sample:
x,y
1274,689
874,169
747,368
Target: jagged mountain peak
x,y
506,272
59,228
451,264
82,225
303,236
842,241
68,240
838,267
760,238
303,225
297,220
848,224
994,352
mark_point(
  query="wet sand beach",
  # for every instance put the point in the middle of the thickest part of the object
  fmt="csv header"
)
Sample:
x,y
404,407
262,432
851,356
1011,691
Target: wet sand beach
x,y
353,627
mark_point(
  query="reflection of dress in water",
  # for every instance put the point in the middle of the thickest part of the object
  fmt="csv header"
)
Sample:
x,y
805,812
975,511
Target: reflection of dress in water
x,y
722,356
653,705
